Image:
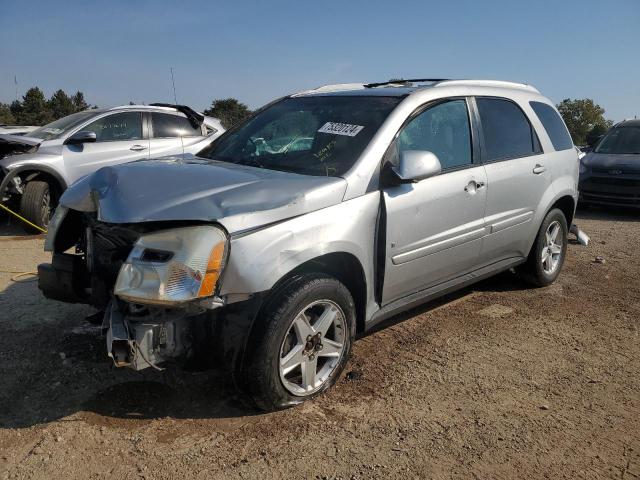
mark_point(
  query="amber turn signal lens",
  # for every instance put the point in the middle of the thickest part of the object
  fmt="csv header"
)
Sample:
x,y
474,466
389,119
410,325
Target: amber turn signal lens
x,y
208,285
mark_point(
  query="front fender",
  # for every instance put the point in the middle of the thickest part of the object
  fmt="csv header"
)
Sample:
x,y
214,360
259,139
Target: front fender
x,y
12,171
257,261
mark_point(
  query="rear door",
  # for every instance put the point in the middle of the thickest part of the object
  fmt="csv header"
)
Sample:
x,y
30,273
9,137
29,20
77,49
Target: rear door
x,y
119,139
171,133
517,174
435,226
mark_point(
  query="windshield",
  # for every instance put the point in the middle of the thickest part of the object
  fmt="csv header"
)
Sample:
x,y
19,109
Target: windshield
x,y
61,126
621,140
307,135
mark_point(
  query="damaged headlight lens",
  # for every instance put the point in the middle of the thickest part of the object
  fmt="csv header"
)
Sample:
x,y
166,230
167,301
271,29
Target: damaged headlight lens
x,y
173,266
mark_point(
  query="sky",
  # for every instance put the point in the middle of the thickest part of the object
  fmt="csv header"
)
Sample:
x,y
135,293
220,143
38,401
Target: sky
x,y
119,51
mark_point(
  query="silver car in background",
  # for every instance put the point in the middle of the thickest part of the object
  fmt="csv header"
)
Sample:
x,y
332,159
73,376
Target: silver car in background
x,y
37,166
323,214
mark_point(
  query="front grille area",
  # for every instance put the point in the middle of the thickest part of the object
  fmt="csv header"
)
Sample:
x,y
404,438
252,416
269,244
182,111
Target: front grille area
x,y
616,182
621,199
617,190
625,170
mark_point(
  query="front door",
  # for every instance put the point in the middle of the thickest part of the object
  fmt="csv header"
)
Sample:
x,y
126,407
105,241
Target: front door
x,y
119,139
435,226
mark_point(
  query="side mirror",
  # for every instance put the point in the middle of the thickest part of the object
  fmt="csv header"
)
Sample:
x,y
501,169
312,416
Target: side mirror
x,y
83,136
416,165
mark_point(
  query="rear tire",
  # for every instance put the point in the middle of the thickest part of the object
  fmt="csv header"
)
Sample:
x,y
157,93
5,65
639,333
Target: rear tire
x,y
292,355
35,205
548,251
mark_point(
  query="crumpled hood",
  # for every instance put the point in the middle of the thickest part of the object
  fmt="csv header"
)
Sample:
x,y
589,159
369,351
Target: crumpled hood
x,y
236,196
16,144
628,163
19,139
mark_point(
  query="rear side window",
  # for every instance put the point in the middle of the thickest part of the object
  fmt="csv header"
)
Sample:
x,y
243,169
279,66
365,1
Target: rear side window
x,y
553,124
507,131
166,125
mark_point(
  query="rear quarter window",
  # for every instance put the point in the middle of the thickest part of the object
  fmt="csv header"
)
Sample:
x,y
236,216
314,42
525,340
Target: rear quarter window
x,y
553,124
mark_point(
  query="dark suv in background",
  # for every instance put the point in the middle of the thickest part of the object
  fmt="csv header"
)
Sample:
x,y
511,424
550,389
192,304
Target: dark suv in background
x,y
610,173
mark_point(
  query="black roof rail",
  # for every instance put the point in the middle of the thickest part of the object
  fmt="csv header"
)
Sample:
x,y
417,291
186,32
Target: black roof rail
x,y
405,81
195,119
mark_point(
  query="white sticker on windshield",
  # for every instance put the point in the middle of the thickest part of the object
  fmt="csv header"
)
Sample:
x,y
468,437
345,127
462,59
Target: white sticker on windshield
x,y
341,129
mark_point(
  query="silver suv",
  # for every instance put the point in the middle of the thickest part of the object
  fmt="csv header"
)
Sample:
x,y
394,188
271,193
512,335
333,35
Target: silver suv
x,y
37,166
323,214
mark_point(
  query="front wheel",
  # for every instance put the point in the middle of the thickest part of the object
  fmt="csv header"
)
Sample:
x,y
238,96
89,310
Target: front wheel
x,y
548,251
301,342
35,205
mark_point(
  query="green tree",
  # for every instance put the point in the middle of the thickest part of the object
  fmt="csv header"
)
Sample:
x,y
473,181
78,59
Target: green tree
x,y
35,110
16,109
229,110
583,116
79,102
5,114
61,105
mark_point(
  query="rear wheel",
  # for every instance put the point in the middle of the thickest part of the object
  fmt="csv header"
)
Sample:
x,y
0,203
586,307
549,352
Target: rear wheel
x,y
36,205
301,343
548,251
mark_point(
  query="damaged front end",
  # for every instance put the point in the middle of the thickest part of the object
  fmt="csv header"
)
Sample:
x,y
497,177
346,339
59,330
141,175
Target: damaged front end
x,y
151,280
17,144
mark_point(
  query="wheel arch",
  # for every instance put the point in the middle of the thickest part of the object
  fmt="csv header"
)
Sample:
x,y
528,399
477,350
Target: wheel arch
x,y
26,173
567,205
344,267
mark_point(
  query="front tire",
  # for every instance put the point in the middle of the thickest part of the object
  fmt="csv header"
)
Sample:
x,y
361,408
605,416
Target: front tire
x,y
300,344
35,205
548,251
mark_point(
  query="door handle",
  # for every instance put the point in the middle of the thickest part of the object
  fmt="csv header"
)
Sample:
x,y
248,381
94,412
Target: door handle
x,y
538,169
138,148
473,186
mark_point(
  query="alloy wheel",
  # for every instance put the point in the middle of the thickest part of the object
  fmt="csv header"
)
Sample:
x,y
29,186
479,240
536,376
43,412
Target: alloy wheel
x,y
312,348
552,250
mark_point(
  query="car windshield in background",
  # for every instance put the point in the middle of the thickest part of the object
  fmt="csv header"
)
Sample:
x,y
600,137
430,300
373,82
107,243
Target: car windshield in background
x,y
621,140
61,126
321,135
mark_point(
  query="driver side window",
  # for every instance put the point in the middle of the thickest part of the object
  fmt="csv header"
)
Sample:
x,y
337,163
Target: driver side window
x,y
443,130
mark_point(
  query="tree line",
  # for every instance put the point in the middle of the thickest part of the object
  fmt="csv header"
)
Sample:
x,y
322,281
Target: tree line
x,y
36,109
584,118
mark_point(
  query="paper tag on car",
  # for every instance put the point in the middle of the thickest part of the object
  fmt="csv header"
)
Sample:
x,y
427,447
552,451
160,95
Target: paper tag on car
x,y
341,129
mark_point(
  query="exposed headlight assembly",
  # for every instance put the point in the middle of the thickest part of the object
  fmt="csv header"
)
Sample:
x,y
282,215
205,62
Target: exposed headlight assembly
x,y
173,266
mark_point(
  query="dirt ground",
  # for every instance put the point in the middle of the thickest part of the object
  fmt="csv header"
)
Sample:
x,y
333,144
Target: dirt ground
x,y
498,381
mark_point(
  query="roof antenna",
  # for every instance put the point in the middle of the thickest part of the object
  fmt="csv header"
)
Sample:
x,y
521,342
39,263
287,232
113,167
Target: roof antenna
x,y
175,100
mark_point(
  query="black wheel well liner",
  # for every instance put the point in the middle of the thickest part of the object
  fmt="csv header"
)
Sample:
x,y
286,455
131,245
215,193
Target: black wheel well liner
x,y
344,267
567,205
31,172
